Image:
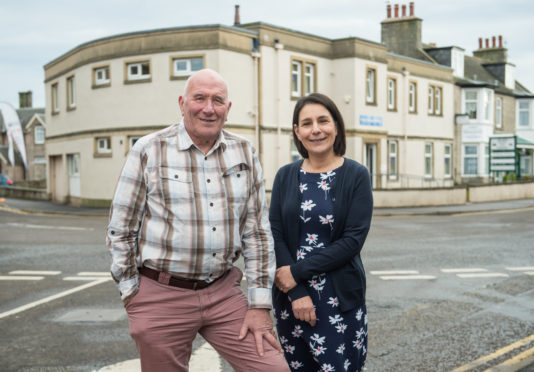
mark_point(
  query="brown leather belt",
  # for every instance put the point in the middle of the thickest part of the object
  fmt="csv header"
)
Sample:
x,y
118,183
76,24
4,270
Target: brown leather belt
x,y
166,278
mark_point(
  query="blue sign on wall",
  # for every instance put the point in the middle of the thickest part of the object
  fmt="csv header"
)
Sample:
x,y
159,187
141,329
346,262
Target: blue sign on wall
x,y
374,121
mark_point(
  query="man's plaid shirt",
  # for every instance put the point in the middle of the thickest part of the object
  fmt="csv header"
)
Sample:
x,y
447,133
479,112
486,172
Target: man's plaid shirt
x,y
191,214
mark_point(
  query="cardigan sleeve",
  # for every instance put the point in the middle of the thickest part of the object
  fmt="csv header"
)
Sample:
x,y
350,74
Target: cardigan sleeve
x,y
281,196
339,252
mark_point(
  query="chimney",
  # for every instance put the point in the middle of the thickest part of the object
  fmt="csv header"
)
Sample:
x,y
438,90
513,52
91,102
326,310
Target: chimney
x,y
493,41
500,41
402,35
25,99
411,9
480,43
396,10
496,54
487,43
237,21
389,11
404,10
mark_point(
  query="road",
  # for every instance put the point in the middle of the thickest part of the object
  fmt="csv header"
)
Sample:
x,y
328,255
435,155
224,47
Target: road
x,y
443,292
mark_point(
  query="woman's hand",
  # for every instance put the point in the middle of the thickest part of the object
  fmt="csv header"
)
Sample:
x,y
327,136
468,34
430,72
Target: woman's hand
x,y
304,310
284,279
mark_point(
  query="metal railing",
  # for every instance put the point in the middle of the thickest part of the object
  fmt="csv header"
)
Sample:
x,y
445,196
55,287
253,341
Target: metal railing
x,y
402,181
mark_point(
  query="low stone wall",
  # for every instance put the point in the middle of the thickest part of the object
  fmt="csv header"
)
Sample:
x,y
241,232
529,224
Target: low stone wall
x,y
517,190
23,193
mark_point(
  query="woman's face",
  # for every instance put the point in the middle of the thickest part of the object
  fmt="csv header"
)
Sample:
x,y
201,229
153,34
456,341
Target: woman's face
x,y
316,130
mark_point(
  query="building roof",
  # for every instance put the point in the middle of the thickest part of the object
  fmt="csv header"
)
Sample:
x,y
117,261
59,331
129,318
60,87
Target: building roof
x,y
25,115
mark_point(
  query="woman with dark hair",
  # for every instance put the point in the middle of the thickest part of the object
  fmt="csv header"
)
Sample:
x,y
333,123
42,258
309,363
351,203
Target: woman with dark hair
x,y
320,215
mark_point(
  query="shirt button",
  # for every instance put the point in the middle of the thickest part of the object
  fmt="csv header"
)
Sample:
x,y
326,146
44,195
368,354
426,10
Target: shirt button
x,y
214,228
214,254
209,180
205,158
211,204
175,176
238,175
112,232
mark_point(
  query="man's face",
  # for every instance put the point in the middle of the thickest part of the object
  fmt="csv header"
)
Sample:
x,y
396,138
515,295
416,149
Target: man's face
x,y
205,108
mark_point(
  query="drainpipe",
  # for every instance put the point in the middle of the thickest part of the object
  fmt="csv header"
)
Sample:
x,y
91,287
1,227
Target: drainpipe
x,y
277,47
255,57
406,101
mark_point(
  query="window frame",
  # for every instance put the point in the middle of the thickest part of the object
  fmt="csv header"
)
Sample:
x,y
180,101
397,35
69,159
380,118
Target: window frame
x,y
103,151
498,112
393,156
54,97
466,156
71,92
38,133
183,75
524,110
101,83
392,94
302,83
412,97
447,160
470,101
138,78
429,160
370,85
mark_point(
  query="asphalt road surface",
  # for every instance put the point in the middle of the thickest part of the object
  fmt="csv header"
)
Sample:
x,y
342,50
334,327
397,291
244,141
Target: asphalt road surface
x,y
444,293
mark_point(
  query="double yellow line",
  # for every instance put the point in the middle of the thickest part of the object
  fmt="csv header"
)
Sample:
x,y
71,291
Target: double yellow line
x,y
513,364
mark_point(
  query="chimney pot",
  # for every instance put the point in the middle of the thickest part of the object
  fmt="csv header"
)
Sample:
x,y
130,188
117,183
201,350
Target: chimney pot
x,y
388,10
404,10
396,10
487,42
480,43
500,41
237,20
411,8
493,41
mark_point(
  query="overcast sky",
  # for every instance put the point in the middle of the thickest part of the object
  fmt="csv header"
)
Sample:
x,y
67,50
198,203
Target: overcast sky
x,y
34,32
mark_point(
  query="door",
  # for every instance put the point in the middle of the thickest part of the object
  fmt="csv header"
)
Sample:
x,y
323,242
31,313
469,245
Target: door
x,y
73,161
370,161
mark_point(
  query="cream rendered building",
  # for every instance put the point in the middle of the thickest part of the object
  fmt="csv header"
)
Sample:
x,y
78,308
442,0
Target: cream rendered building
x,y
102,95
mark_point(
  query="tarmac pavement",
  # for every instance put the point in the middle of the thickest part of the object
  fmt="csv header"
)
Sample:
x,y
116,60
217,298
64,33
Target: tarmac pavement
x,y
48,207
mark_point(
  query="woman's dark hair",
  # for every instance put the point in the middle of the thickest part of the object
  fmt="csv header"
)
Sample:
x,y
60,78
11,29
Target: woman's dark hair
x,y
339,143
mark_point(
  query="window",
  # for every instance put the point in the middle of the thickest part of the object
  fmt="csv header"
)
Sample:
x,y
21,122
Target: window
x,y
412,93
434,100
296,84
132,140
392,94
54,97
136,71
71,100
101,76
524,113
447,160
103,145
428,160
39,160
498,112
485,168
186,66
38,135
370,95
470,160
295,155
309,78
303,78
487,103
471,99
393,160
438,102
431,100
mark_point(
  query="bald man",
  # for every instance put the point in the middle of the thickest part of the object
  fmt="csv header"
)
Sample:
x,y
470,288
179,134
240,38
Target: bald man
x,y
191,200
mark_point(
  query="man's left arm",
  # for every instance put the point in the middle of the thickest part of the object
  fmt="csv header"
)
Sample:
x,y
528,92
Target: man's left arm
x,y
260,262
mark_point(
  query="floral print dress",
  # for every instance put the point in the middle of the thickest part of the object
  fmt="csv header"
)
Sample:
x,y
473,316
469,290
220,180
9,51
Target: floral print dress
x,y
338,342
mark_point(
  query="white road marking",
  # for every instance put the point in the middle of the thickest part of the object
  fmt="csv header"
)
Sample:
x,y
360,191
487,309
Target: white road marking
x,y
84,278
34,272
132,365
482,275
466,270
529,272
47,227
395,272
521,268
9,277
94,273
51,298
205,358
407,277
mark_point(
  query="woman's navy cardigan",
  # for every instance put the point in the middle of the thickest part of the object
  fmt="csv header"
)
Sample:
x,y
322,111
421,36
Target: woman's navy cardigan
x,y
353,208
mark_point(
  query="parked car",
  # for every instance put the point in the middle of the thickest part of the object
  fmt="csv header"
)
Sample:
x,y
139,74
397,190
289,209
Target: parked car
x,y
5,180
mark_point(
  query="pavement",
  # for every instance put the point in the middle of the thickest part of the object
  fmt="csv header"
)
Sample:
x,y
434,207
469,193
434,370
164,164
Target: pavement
x,y
48,207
